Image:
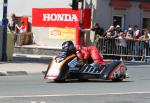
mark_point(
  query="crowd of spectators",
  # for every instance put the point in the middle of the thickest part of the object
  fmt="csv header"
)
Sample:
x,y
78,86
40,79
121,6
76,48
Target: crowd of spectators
x,y
140,38
132,33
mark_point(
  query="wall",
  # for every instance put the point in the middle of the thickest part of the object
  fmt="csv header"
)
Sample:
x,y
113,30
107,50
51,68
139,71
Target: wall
x,y
134,15
103,14
24,8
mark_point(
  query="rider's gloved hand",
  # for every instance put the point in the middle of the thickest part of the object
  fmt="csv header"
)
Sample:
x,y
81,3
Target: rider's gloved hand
x,y
79,54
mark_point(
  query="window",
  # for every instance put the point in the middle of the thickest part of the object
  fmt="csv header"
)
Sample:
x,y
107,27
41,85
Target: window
x,y
118,20
146,22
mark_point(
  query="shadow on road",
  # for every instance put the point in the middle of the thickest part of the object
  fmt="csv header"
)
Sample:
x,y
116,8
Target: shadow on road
x,y
91,81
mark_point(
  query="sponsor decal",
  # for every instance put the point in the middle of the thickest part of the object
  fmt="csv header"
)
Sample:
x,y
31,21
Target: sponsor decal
x,y
62,33
55,17
55,32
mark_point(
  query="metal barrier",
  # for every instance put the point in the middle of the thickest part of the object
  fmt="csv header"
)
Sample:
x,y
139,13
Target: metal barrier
x,y
119,48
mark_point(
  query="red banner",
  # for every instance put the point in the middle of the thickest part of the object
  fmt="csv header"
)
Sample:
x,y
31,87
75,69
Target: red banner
x,y
59,17
25,19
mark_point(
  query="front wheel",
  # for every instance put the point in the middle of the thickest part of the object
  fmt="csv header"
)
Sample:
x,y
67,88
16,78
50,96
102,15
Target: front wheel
x,y
117,80
59,80
62,75
83,80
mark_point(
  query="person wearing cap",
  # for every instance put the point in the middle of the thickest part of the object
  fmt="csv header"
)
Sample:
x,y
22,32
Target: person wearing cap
x,y
118,30
129,34
129,41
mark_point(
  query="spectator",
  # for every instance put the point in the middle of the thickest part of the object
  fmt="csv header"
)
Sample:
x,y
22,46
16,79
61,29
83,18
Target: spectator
x,y
145,35
22,27
129,34
136,32
148,30
130,42
109,41
110,33
117,30
136,35
21,32
11,26
145,42
121,37
11,23
98,30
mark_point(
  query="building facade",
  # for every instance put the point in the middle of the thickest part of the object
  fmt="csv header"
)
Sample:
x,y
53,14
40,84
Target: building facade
x,y
125,13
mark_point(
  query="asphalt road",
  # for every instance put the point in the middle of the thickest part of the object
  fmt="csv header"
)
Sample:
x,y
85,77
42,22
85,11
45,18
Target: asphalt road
x,y
34,89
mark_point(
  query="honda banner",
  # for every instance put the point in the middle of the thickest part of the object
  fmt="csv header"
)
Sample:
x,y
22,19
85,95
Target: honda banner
x,y
59,17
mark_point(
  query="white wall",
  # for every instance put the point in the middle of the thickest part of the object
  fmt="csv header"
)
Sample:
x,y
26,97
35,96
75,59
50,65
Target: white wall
x,y
103,14
24,8
1,10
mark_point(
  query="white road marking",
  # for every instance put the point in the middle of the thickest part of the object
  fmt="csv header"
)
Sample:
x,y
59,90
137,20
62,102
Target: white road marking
x,y
37,102
67,95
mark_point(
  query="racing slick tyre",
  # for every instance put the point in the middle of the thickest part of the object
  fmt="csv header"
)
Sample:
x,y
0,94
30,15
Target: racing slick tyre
x,y
83,80
59,80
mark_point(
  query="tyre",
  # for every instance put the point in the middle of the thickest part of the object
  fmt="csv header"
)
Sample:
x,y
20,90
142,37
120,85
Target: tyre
x,y
117,79
62,75
83,80
59,80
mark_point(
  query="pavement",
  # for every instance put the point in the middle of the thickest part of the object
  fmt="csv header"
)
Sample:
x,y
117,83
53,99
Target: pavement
x,y
28,59
25,64
34,60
